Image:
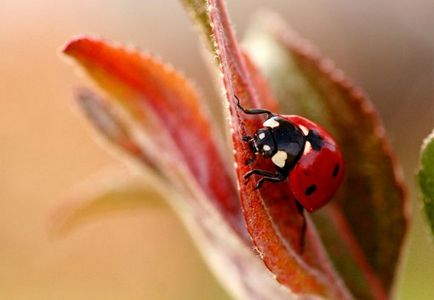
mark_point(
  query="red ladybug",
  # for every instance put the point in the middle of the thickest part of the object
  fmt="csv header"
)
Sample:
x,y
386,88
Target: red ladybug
x,y
301,150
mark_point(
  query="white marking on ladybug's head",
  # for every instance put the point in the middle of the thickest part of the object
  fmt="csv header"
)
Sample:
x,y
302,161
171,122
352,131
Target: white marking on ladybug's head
x,y
261,135
307,148
304,129
279,159
266,148
271,123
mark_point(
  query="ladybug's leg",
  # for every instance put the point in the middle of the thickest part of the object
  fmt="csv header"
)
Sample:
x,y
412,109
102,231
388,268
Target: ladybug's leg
x,y
258,172
281,175
254,111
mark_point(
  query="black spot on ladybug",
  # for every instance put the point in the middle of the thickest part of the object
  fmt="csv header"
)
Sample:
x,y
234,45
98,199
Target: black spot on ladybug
x,y
336,170
310,190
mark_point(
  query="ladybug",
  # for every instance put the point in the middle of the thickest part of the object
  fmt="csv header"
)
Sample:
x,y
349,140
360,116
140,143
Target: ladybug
x,y
300,150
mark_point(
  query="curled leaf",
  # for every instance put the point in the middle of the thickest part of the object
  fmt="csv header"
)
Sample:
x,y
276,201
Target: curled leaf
x,y
425,178
364,227
164,117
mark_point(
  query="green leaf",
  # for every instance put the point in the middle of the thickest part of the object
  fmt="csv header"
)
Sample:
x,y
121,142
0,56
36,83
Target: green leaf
x,y
364,226
426,178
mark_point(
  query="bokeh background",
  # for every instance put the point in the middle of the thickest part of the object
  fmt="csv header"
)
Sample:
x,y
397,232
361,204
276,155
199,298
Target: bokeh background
x,y
46,147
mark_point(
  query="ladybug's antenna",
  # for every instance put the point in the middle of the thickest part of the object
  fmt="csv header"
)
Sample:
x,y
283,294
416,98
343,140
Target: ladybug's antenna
x,y
253,111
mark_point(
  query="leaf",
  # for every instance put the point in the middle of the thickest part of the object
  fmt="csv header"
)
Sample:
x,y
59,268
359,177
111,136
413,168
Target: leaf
x,y
165,118
213,229
236,265
105,193
272,217
198,11
425,178
118,191
227,248
110,124
364,227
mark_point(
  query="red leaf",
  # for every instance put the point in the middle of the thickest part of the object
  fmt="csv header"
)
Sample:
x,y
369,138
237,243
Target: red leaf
x,y
272,217
170,124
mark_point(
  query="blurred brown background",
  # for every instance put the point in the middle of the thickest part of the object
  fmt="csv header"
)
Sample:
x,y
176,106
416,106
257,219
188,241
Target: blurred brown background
x,y
46,148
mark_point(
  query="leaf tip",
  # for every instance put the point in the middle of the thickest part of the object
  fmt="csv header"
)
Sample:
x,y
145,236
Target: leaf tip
x,y
70,46
80,43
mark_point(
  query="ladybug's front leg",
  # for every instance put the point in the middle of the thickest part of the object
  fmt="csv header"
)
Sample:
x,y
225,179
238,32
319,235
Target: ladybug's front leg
x,y
281,175
257,172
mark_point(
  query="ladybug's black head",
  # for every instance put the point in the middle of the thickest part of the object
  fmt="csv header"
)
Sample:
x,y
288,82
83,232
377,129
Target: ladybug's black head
x,y
263,142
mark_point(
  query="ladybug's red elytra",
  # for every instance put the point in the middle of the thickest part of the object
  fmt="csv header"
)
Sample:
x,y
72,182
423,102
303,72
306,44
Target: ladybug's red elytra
x,y
300,150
